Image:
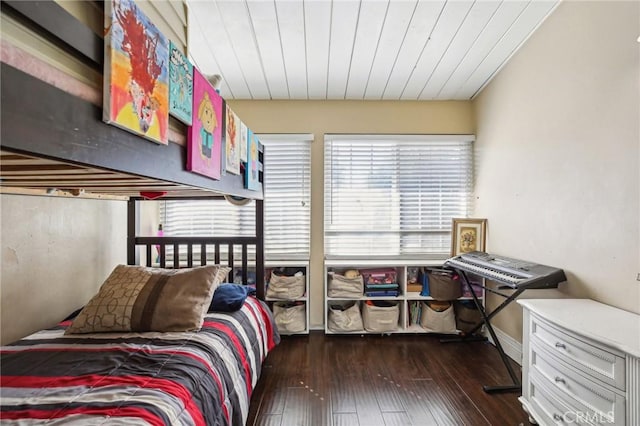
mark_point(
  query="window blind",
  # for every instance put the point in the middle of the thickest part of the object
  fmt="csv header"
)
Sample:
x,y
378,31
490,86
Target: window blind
x,y
395,196
286,204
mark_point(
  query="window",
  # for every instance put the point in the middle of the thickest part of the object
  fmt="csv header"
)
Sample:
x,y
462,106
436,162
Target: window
x,y
286,204
395,196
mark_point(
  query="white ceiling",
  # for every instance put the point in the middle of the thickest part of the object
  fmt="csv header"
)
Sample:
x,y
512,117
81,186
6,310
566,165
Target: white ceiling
x,y
358,49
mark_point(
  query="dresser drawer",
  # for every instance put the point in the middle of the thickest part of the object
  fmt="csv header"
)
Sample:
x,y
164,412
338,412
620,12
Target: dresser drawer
x,y
547,408
597,362
591,398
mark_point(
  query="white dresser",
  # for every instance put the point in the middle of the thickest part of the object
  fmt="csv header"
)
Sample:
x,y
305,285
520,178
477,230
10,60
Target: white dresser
x,y
581,363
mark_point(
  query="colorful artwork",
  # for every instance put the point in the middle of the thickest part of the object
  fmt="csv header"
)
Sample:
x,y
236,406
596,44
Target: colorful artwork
x,y
243,142
252,173
232,153
136,72
180,85
204,137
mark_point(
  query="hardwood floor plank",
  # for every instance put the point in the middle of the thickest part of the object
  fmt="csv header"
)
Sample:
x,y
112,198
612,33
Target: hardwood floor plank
x,y
416,406
388,393
343,358
396,419
497,408
345,419
320,388
269,395
319,380
438,406
367,406
270,420
296,407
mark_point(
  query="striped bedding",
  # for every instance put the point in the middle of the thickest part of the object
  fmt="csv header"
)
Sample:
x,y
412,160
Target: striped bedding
x,y
193,378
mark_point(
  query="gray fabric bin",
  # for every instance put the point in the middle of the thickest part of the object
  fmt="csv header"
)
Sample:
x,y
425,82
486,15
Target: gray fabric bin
x,y
380,319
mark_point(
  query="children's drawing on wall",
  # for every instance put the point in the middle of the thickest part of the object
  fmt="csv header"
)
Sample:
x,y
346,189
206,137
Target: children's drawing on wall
x,y
252,174
204,137
243,142
136,77
180,85
233,141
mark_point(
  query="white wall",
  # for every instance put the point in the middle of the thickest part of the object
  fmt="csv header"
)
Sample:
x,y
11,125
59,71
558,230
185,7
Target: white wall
x,y
559,154
56,252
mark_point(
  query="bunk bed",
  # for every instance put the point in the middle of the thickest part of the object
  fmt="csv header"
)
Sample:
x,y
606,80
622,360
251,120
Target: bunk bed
x,y
52,136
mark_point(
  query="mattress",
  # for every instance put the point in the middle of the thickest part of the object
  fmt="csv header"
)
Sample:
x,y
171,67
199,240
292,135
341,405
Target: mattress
x,y
178,378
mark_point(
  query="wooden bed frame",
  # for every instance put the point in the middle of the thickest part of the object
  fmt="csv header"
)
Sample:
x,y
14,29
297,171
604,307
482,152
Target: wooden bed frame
x,y
55,139
134,242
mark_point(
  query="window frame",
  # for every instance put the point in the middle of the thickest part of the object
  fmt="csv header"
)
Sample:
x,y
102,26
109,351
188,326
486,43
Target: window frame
x,y
392,138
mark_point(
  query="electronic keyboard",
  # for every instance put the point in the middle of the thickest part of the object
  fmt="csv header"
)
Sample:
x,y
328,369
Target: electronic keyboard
x,y
514,273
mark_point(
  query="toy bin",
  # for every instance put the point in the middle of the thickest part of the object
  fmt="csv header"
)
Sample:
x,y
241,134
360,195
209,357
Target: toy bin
x,y
380,316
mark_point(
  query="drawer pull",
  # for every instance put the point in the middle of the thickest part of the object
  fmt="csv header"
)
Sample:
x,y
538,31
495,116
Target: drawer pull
x,y
558,417
560,345
560,380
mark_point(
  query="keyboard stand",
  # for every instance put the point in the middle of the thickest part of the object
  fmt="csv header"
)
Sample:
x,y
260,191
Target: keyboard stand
x,y
486,320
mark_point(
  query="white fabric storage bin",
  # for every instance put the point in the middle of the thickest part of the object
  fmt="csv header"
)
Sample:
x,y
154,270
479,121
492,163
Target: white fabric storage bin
x,y
348,319
290,318
286,288
380,319
340,286
438,322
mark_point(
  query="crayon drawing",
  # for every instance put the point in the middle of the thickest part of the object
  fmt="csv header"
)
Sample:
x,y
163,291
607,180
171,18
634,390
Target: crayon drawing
x,y
232,152
252,173
204,137
136,77
243,142
180,85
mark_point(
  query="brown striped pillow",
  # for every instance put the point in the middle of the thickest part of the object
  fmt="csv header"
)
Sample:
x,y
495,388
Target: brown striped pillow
x,y
135,298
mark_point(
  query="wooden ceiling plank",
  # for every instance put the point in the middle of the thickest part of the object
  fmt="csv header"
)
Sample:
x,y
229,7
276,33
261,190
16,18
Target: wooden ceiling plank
x,y
209,38
265,27
491,34
445,29
344,21
475,22
422,23
317,21
518,33
239,29
290,17
370,22
396,26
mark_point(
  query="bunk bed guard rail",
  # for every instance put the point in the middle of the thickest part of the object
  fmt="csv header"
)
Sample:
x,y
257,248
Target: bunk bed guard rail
x,y
169,252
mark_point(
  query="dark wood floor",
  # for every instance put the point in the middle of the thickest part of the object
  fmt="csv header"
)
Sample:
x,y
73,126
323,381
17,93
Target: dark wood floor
x,y
374,380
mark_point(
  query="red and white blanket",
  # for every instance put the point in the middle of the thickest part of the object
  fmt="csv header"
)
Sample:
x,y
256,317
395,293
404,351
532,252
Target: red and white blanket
x,y
192,378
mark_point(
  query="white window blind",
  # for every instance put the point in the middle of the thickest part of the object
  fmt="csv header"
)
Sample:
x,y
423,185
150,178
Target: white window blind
x,y
286,204
395,196
206,218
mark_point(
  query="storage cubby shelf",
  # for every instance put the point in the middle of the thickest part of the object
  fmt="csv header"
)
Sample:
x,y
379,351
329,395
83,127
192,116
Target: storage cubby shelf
x,y
270,265
403,300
